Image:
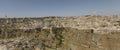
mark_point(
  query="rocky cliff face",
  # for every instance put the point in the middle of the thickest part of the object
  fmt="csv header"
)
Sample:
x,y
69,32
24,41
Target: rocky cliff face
x,y
68,33
94,22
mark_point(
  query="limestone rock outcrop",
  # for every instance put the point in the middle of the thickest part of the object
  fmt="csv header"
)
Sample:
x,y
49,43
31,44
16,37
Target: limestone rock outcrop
x,y
60,33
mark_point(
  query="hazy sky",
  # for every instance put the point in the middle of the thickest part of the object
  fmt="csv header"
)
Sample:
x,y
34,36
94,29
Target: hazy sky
x,y
21,8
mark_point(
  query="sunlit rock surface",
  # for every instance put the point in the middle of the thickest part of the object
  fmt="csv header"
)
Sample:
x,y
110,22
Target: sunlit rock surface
x,y
60,33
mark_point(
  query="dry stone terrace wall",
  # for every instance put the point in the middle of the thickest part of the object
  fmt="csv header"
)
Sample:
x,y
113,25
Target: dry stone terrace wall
x,y
81,22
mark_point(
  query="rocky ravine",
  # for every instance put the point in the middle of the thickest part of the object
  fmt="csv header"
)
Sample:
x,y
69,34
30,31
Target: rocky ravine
x,y
68,33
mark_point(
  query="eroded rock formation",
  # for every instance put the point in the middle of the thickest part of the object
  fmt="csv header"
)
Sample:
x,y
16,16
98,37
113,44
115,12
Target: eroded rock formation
x,y
67,33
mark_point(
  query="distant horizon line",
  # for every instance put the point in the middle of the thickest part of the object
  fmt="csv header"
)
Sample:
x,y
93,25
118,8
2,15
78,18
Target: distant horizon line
x,y
54,16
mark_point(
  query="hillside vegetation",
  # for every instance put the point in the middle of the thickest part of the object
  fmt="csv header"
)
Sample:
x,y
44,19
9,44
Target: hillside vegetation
x,y
77,33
